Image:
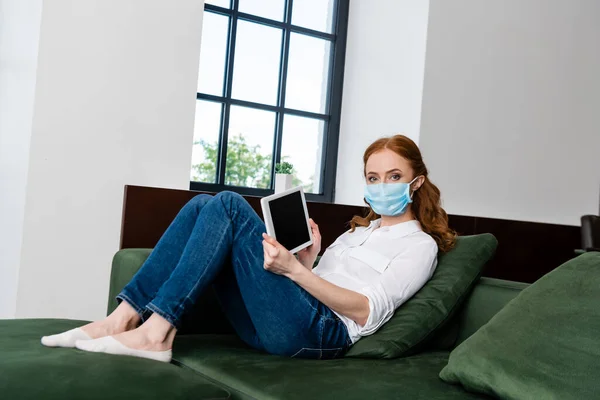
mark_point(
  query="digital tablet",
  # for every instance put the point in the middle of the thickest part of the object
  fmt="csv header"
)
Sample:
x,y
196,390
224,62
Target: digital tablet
x,y
286,219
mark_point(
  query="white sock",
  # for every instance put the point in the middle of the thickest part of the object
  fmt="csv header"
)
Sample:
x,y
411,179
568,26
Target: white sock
x,y
110,345
65,339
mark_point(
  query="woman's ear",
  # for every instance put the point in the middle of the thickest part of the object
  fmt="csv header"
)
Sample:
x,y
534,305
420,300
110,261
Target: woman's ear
x,y
417,183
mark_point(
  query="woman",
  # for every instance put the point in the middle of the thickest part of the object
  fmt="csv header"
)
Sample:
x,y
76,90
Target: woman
x,y
276,302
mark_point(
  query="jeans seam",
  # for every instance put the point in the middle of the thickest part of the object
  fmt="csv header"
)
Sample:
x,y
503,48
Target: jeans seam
x,y
233,212
239,228
323,323
337,351
230,208
298,352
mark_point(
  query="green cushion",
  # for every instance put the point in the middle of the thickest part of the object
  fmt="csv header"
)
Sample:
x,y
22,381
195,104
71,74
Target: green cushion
x,y
545,344
250,374
416,322
29,370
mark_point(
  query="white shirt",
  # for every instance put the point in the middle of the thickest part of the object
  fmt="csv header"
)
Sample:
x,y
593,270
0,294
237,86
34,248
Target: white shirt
x,y
386,264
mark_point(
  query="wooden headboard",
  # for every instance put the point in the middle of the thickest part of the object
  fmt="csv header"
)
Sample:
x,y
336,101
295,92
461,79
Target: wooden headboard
x,y
148,211
526,250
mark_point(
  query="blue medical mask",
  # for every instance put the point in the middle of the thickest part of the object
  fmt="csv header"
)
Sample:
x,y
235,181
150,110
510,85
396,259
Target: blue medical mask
x,y
389,199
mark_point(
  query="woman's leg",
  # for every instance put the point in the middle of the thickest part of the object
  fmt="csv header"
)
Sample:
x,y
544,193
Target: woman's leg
x,y
268,311
154,272
207,252
232,304
144,285
283,317
287,318
165,256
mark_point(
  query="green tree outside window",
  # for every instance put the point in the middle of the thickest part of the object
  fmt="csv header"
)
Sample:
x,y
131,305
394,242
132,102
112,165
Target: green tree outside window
x,y
245,165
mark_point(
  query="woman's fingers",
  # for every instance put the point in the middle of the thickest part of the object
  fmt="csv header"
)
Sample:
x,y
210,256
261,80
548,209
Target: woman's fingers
x,y
268,259
268,240
315,227
271,240
270,249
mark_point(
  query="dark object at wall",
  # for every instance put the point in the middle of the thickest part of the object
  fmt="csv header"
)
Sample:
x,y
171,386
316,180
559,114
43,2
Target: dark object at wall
x,y
590,232
526,250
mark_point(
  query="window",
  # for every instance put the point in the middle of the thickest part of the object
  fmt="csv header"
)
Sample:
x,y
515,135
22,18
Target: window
x,y
269,90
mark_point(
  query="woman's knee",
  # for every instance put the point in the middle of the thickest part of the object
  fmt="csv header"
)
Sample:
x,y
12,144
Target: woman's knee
x,y
229,195
233,204
230,199
199,200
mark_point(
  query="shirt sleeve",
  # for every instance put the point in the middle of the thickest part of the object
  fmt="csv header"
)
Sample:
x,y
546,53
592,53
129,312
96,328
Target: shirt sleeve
x,y
406,274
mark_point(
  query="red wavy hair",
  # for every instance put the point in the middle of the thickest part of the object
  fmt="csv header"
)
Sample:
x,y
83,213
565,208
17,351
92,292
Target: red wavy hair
x,y
426,205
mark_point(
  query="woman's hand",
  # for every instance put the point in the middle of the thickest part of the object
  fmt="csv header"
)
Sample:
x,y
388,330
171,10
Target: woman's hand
x,y
308,255
277,258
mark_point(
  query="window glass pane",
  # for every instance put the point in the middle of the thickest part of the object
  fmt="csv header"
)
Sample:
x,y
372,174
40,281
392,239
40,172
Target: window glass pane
x,y
249,147
308,73
206,141
220,3
212,53
302,145
314,14
272,9
256,69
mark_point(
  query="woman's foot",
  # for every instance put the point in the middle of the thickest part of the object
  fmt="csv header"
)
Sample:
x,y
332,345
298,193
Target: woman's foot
x,y
65,339
111,325
110,345
153,340
123,319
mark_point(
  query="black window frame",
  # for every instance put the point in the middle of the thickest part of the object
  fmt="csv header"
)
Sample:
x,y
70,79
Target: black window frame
x,y
331,117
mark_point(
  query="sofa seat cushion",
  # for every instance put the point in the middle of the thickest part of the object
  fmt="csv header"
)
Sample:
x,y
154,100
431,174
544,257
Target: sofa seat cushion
x,y
29,370
248,373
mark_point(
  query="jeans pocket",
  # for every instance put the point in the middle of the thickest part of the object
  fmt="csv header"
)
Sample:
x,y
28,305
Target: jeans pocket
x,y
318,354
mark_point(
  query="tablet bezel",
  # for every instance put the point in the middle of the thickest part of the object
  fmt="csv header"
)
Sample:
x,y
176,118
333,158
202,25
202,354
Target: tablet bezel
x,y
264,203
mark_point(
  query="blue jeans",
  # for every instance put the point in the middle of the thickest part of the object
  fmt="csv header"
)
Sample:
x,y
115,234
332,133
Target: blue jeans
x,y
216,240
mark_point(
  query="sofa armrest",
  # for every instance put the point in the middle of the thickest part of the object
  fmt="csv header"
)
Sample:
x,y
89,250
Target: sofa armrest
x,y
125,265
206,317
487,298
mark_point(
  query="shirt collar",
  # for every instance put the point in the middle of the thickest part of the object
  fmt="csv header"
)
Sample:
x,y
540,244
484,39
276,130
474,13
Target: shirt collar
x,y
398,230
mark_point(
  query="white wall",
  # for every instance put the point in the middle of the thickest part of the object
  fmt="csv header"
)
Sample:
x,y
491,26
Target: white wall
x,y
19,34
511,108
383,83
115,101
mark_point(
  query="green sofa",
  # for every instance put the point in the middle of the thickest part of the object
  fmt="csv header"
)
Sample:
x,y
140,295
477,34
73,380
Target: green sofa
x,y
210,362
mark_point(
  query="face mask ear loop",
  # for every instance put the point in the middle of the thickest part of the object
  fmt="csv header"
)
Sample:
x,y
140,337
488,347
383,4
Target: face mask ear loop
x,y
412,192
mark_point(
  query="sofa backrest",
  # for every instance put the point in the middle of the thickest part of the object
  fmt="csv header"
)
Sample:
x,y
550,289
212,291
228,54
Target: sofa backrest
x,y
487,298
